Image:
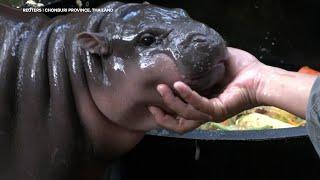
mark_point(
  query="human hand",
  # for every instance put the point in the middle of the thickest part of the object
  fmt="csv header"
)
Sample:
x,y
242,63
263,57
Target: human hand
x,y
242,81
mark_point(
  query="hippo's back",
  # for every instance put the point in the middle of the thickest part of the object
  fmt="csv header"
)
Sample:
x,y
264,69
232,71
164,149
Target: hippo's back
x,y
17,14
38,121
16,28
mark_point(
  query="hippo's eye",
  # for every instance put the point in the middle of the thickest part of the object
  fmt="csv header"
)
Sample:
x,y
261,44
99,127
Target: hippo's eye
x,y
147,39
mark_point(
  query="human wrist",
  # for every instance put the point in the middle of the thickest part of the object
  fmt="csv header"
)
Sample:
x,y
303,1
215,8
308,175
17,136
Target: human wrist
x,y
285,89
266,84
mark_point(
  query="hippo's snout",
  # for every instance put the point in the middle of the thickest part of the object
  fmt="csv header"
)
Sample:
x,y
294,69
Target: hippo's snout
x,y
203,51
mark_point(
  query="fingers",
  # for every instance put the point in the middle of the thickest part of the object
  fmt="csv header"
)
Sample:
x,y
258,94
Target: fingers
x,y
184,110
193,98
230,102
192,113
188,117
179,124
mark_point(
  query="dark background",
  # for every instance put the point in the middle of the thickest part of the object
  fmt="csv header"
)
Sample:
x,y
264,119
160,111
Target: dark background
x,y
163,158
279,33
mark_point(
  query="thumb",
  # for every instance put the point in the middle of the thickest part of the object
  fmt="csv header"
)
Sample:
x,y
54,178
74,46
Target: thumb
x,y
229,103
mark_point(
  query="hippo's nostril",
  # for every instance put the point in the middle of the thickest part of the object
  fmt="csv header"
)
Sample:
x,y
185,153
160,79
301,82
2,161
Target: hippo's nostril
x,y
199,39
193,39
196,38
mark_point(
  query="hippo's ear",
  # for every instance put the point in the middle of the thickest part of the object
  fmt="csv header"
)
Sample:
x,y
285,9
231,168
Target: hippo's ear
x,y
95,43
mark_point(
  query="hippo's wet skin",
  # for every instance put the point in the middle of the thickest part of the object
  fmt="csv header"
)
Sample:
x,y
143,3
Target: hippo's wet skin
x,y
78,86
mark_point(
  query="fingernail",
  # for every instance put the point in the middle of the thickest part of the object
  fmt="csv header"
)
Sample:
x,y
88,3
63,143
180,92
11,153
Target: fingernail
x,y
151,110
160,89
179,87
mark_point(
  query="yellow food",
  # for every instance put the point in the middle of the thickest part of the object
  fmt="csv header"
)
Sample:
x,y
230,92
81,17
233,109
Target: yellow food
x,y
256,120
264,117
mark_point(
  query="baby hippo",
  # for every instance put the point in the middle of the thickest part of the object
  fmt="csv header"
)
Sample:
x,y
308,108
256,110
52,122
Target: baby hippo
x,y
138,46
75,89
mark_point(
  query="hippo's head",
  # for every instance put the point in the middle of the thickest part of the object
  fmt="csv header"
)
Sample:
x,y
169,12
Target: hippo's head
x,y
137,46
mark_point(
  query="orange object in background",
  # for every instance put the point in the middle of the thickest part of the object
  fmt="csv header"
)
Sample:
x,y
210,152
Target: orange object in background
x,y
308,70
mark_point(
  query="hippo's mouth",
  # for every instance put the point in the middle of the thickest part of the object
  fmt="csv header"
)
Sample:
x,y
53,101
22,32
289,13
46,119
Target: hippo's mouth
x,y
205,82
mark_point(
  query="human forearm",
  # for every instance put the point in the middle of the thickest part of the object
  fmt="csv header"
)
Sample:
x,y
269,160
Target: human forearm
x,y
285,89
